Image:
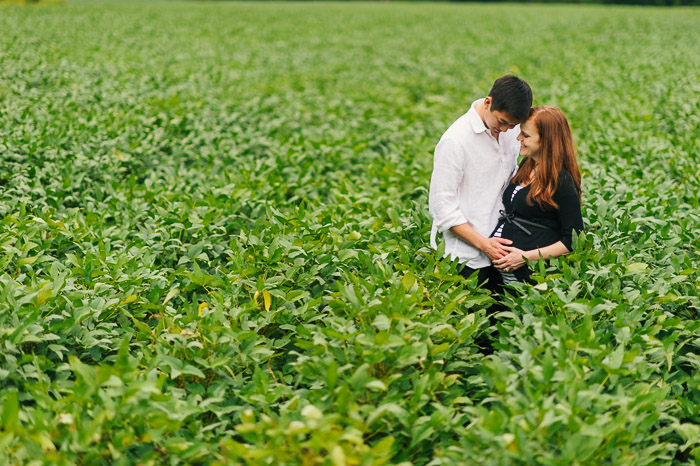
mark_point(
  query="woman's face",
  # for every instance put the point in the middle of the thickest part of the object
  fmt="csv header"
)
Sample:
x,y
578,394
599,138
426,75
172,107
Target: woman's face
x,y
529,139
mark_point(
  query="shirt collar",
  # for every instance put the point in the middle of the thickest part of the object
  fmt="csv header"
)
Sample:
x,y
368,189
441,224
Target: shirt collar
x,y
474,119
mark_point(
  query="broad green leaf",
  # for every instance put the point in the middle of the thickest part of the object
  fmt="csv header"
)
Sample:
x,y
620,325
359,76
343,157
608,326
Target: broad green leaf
x,y
10,410
129,299
27,260
376,385
408,280
636,267
43,295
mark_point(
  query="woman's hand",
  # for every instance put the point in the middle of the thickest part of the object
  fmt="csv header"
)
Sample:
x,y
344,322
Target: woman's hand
x,y
512,261
494,247
516,258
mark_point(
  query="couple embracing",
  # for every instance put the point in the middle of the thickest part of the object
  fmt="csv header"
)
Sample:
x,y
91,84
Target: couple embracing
x,y
495,216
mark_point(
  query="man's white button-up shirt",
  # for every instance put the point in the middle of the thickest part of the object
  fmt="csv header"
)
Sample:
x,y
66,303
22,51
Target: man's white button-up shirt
x,y
471,170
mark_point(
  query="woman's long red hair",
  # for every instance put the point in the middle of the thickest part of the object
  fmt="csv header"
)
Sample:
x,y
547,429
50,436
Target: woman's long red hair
x,y
556,156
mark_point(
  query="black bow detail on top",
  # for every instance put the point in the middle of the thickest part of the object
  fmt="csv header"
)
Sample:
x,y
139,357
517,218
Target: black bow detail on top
x,y
518,222
511,218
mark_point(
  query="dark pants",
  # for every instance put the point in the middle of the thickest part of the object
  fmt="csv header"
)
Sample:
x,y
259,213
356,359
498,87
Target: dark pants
x,y
489,277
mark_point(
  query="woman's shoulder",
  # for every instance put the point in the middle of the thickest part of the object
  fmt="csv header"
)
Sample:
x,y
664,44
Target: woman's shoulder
x,y
566,179
566,186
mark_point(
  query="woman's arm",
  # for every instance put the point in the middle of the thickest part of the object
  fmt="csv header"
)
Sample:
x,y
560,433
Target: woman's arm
x,y
569,211
516,257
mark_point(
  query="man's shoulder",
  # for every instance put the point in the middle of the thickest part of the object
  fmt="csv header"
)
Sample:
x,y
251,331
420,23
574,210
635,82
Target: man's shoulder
x,y
460,131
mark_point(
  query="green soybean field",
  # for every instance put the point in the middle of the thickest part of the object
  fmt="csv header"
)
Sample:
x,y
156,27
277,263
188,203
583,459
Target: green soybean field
x,y
214,238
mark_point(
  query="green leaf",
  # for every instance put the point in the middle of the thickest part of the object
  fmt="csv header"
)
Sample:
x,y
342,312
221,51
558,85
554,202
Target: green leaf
x,y
332,375
27,260
171,294
129,299
10,410
87,374
267,299
191,370
376,385
615,358
408,280
547,366
636,267
43,295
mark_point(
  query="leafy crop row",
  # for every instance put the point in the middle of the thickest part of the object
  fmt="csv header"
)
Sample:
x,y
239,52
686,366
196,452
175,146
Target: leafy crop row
x,y
214,238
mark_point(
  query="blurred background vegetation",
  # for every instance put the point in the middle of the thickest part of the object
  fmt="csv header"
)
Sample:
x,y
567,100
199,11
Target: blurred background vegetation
x,y
604,2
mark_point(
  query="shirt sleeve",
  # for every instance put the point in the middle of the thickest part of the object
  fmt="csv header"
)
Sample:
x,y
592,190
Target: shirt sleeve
x,y
448,172
569,212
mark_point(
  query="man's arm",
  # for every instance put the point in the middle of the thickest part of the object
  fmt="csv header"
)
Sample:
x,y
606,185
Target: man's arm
x,y
444,202
443,198
492,247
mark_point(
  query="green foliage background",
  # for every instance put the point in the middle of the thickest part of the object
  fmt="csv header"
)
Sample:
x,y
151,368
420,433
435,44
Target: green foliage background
x,y
214,238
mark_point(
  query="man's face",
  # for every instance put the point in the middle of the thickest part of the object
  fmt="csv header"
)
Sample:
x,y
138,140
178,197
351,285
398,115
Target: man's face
x,y
497,121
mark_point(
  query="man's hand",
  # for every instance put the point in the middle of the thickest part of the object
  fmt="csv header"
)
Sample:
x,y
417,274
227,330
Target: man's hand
x,y
512,261
494,248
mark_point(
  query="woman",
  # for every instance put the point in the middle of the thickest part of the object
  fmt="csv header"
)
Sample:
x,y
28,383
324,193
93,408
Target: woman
x,y
543,200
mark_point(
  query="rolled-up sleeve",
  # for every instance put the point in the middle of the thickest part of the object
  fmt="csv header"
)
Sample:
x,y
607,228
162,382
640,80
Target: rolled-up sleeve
x,y
443,199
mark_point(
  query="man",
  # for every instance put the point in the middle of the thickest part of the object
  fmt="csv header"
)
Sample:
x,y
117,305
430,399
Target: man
x,y
473,163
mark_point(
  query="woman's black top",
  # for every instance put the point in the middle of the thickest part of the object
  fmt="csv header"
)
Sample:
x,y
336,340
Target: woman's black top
x,y
553,225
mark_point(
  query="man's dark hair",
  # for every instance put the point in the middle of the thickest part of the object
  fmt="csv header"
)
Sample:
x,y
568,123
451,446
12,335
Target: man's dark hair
x,y
511,95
